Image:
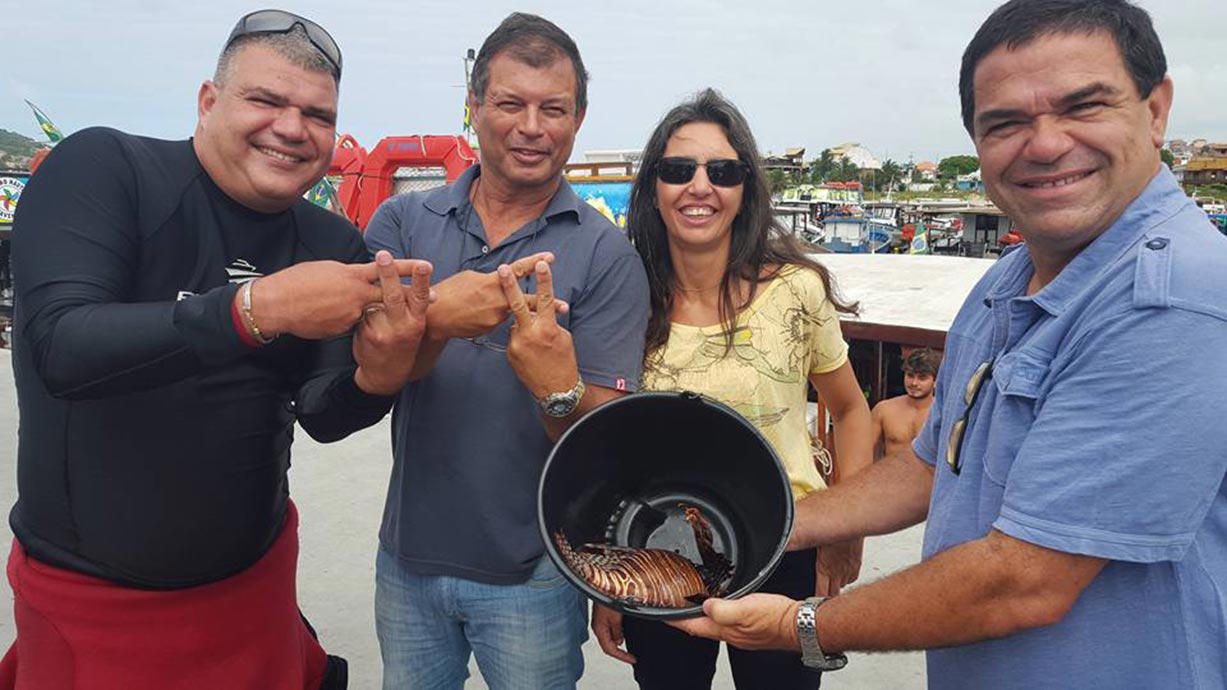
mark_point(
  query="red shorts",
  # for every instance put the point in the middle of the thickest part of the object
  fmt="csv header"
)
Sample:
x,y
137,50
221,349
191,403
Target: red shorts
x,y
76,632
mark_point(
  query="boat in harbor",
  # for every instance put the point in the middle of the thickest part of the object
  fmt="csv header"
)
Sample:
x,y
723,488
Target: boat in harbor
x,y
799,220
1219,220
835,217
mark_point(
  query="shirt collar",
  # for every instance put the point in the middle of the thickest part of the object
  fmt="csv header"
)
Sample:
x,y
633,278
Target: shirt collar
x,y
448,199
1159,200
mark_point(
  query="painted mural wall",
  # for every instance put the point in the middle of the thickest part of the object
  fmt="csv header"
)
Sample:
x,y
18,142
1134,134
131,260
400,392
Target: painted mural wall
x,y
11,185
611,198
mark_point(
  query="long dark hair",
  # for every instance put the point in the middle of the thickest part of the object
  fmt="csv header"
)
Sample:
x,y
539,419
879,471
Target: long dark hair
x,y
758,239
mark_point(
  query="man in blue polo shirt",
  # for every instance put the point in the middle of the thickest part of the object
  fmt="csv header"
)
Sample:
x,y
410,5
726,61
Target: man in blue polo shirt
x,y
461,565
1072,467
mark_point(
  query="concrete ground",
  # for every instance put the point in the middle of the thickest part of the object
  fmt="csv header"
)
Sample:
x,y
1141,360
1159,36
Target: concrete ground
x,y
340,488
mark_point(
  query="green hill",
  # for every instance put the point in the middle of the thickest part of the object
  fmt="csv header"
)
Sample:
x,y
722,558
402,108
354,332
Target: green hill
x,y
18,145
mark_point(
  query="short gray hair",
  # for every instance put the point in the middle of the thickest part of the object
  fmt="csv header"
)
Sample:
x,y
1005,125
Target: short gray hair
x,y
293,45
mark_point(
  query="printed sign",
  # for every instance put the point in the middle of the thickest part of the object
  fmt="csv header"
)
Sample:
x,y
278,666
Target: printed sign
x,y
10,189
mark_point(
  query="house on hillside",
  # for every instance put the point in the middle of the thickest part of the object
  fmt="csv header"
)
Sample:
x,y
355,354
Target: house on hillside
x,y
791,162
970,182
927,170
1214,150
1202,171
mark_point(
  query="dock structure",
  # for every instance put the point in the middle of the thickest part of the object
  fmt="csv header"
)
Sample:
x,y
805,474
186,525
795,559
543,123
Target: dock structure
x,y
906,301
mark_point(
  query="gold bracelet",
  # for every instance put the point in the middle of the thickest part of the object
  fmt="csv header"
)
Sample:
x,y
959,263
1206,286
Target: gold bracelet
x,y
245,307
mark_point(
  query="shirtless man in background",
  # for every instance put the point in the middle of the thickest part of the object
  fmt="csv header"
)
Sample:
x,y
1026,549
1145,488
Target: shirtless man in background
x,y
897,421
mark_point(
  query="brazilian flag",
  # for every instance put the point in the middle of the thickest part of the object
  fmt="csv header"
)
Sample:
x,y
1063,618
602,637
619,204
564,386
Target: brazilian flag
x,y
53,133
920,241
324,194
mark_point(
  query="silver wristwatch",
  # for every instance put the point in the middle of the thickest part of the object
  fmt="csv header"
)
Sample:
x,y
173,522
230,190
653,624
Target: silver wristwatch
x,y
807,633
564,403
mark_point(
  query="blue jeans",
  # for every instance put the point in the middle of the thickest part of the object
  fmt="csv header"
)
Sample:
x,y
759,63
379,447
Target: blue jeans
x,y
525,637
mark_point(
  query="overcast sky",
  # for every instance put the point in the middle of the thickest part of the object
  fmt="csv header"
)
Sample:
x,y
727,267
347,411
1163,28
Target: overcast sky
x,y
806,73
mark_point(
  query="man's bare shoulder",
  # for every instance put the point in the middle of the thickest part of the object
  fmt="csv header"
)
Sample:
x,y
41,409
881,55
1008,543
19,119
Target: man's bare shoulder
x,y
891,403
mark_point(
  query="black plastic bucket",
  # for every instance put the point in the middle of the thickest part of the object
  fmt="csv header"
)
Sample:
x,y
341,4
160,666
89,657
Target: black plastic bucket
x,y
618,475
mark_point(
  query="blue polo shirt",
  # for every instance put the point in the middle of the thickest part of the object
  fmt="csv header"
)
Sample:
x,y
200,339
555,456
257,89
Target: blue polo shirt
x,y
468,438
1101,432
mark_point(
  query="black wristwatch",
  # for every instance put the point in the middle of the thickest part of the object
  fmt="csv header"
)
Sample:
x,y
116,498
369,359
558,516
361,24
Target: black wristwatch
x,y
563,404
807,633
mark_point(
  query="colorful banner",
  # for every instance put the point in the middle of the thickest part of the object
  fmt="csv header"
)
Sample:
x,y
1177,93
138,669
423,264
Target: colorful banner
x,y
324,194
54,135
920,241
11,186
612,199
826,193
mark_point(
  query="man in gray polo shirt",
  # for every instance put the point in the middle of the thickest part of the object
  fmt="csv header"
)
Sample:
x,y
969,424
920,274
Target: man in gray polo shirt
x,y
461,565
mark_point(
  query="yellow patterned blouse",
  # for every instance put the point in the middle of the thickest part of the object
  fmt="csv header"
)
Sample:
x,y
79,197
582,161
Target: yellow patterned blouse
x,y
789,331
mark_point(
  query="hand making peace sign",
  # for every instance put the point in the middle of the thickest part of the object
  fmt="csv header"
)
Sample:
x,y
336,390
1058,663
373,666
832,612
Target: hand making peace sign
x,y
540,351
387,339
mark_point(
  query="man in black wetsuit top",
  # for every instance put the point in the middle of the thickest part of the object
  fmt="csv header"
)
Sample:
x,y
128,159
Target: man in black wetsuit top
x,y
179,307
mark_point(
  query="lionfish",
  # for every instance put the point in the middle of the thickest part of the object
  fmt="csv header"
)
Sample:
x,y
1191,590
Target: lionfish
x,y
653,577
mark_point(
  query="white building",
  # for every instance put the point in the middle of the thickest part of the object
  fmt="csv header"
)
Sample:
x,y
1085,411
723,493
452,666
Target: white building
x,y
632,156
858,155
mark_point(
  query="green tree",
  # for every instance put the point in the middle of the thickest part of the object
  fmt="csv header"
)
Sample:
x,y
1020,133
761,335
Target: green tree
x,y
846,171
952,167
777,180
890,175
822,168
1167,157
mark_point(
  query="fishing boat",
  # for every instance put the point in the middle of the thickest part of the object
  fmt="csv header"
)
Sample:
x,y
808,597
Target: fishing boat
x,y
799,220
1219,220
836,218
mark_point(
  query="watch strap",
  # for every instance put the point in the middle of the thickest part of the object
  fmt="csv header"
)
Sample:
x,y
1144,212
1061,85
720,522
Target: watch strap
x,y
564,403
807,634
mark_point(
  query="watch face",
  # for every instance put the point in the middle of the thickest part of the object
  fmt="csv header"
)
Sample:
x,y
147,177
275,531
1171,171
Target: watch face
x,y
559,408
563,404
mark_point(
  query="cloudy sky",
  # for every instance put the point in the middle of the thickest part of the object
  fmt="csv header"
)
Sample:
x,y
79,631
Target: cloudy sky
x,y
806,73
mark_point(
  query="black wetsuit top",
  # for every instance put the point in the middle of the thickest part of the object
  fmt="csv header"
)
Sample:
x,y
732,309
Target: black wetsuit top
x,y
153,443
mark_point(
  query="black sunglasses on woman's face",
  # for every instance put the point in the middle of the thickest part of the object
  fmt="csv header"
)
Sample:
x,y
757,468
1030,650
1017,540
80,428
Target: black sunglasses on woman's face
x,y
722,172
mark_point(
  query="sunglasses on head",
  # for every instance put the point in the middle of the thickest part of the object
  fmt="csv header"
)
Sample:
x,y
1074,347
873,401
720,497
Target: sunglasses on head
x,y
280,22
722,172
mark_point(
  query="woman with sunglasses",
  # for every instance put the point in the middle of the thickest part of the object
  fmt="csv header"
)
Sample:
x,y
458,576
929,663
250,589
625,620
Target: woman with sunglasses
x,y
739,313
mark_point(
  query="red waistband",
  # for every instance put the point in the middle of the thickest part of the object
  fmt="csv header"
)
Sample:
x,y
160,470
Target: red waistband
x,y
243,633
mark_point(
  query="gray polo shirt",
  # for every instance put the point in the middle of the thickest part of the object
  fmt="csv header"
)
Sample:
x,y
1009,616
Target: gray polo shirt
x,y
468,439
